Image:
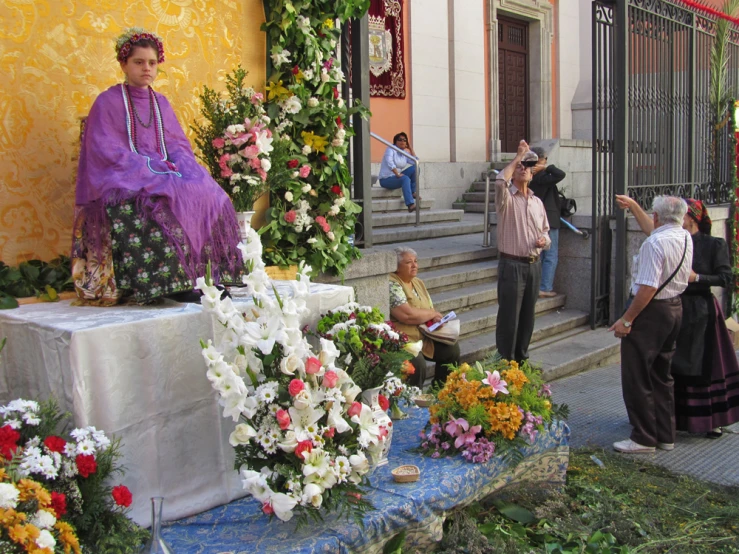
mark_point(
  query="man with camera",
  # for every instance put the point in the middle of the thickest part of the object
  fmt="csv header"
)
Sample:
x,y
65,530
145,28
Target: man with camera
x,y
523,231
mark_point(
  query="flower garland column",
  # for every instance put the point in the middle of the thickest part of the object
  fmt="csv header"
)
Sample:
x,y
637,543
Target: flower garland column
x,y
311,216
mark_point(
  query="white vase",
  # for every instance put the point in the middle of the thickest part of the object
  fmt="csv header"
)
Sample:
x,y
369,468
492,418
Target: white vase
x,y
378,453
244,219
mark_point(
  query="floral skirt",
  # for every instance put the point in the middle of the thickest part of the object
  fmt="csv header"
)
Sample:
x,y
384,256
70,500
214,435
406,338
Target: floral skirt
x,y
137,262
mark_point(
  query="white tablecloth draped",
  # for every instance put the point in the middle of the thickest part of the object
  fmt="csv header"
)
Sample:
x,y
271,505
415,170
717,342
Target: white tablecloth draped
x,y
137,373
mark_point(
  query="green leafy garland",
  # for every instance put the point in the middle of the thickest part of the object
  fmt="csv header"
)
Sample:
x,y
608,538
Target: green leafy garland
x,y
311,216
34,278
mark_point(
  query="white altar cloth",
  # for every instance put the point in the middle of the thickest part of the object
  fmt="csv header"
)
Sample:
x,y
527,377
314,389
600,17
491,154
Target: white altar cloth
x,y
136,372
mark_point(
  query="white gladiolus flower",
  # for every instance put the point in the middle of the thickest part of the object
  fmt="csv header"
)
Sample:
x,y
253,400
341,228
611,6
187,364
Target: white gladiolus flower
x,y
264,142
280,58
282,505
292,105
303,24
413,348
312,495
8,496
369,431
336,419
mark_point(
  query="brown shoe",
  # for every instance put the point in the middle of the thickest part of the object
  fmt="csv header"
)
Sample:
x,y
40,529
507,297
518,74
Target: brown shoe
x,y
547,294
412,208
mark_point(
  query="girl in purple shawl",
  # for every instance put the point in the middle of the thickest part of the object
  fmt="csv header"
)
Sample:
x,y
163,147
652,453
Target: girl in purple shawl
x,y
148,217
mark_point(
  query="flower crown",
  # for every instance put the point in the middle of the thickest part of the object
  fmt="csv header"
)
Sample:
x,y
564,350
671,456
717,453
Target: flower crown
x,y
129,39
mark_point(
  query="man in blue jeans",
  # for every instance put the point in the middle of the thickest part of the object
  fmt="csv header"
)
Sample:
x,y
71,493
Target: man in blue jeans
x,y
398,171
544,186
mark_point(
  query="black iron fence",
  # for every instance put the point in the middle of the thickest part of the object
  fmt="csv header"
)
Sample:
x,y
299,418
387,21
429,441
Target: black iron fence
x,y
657,126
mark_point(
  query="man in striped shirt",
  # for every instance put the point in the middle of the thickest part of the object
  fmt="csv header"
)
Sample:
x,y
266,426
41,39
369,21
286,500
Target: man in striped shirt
x,y
523,231
651,324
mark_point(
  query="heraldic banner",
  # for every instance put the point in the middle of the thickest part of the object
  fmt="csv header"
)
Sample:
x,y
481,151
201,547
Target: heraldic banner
x,y
387,68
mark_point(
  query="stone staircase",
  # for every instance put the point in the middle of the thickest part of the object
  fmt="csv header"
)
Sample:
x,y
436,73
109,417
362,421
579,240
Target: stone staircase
x,y
461,275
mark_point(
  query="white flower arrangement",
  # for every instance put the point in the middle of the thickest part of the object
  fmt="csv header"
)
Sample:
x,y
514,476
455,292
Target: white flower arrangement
x,y
301,432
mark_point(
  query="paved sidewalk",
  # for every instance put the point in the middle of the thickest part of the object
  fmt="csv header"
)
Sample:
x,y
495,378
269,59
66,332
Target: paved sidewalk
x,y
598,418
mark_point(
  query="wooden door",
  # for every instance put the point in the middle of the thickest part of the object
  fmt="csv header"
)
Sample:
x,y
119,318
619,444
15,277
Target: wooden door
x,y
513,82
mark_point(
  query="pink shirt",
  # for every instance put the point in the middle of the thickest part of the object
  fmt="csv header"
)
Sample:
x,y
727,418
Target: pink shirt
x,y
522,220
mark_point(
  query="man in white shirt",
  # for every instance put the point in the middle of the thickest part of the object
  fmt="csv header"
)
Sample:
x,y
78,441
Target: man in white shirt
x,y
651,324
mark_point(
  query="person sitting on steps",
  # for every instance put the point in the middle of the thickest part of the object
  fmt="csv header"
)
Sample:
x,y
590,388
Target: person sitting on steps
x,y
398,171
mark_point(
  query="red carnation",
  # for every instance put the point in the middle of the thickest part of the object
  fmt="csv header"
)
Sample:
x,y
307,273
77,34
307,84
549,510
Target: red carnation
x,y
55,444
384,402
86,464
59,504
336,93
324,158
122,496
9,438
304,447
290,216
296,70
339,123
292,164
336,189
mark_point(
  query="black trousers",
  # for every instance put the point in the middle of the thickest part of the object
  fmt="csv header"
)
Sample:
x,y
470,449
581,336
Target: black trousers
x,y
444,354
518,290
646,380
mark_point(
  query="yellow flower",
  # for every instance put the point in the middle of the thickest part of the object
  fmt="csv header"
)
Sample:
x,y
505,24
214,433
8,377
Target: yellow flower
x,y
276,90
9,517
299,77
329,23
505,419
515,378
547,405
67,537
316,142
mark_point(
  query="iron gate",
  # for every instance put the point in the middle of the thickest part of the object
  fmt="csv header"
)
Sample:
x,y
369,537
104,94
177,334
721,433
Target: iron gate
x,y
658,125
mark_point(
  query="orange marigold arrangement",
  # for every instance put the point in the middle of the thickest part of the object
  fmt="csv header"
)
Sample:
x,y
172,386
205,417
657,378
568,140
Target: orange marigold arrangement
x,y
491,403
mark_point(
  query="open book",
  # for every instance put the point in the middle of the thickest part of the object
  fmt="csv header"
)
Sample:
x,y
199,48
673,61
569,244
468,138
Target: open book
x,y
445,331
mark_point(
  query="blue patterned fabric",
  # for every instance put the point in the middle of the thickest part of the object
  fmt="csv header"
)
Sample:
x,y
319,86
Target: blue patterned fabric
x,y
240,527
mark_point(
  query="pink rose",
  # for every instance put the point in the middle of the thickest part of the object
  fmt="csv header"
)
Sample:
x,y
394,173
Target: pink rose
x,y
223,159
312,364
304,170
295,387
330,379
304,447
219,143
290,216
226,172
283,419
354,409
255,164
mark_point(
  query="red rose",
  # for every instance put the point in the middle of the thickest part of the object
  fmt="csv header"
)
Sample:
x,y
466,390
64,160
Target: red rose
x,y
312,365
339,123
268,509
336,93
292,164
324,158
290,216
354,409
295,387
58,504
122,496
296,70
9,438
304,447
384,402
336,189
283,419
55,444
86,464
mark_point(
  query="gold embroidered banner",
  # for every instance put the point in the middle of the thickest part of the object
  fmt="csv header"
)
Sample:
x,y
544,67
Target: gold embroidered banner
x,y
386,56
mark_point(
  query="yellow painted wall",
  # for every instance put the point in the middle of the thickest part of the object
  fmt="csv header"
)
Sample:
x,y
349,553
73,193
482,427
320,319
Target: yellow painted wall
x,y
56,56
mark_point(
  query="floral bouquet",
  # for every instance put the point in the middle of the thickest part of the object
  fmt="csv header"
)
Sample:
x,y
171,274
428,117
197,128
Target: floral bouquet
x,y
64,480
492,405
302,438
397,391
235,142
371,349
312,222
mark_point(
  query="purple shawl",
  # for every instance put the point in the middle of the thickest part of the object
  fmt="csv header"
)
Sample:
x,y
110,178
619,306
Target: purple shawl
x,y
110,172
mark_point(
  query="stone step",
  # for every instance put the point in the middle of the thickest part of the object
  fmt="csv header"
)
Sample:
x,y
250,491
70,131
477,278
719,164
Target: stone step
x,y
380,192
397,205
397,235
481,320
474,207
547,325
478,197
456,276
586,350
406,218
447,251
479,186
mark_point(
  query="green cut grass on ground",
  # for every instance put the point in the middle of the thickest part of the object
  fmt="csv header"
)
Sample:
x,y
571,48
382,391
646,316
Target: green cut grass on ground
x,y
611,504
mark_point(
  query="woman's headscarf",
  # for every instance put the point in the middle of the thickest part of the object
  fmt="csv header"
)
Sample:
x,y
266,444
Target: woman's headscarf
x,y
697,210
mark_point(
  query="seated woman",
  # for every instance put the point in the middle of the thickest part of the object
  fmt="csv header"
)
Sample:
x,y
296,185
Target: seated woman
x,y
399,171
410,305
148,217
